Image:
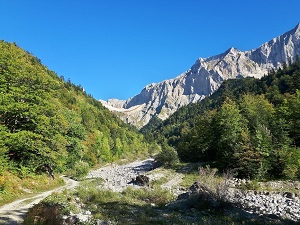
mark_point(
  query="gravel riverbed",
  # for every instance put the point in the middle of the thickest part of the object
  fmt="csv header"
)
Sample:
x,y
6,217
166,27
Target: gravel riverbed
x,y
118,177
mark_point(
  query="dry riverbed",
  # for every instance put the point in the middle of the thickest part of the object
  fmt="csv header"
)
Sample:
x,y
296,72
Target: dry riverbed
x,y
117,178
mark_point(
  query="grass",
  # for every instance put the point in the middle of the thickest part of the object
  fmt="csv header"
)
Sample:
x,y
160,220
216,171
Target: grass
x,y
132,206
12,187
158,182
65,199
189,179
154,205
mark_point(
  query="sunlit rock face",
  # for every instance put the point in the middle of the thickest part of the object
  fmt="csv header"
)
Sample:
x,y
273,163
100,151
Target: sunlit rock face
x,y
205,77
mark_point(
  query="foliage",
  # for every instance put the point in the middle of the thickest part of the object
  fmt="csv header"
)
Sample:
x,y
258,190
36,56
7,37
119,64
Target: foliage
x,y
4,162
80,170
193,148
51,210
249,125
45,120
168,156
43,214
13,187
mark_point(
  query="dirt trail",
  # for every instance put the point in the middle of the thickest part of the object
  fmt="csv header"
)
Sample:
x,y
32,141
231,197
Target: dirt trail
x,y
174,182
14,212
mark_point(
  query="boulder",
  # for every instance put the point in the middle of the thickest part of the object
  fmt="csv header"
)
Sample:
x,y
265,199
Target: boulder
x,y
140,180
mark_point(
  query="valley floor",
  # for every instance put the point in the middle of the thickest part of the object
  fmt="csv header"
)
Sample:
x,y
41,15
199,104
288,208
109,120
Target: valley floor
x,y
108,195
13,213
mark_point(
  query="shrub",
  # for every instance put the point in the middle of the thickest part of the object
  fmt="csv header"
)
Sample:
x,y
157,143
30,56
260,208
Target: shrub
x,y
168,156
80,170
44,214
213,189
292,164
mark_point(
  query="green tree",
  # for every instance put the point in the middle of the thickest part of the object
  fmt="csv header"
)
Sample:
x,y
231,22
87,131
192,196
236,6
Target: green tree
x,y
168,156
259,113
45,120
198,143
4,163
294,117
230,124
105,153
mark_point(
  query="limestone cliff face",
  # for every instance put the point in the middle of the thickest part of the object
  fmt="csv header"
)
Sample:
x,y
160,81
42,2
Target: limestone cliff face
x,y
205,77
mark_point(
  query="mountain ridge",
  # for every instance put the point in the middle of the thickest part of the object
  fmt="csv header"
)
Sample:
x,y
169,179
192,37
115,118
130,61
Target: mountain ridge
x,y
204,77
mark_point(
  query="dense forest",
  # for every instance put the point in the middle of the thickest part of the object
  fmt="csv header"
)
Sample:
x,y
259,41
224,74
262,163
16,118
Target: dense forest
x,y
250,126
47,122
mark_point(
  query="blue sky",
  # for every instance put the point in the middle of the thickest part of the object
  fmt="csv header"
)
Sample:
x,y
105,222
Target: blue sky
x,y
113,48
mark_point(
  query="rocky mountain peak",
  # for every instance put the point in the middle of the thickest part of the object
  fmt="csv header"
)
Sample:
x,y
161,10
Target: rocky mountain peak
x,y
296,30
232,51
205,77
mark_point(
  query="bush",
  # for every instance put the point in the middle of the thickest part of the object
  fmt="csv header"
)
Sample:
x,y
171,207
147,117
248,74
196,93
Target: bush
x,y
80,170
292,164
213,189
44,214
168,156
4,162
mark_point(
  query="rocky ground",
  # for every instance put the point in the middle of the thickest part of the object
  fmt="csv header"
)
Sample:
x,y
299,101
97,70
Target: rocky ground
x,y
118,177
275,199
279,203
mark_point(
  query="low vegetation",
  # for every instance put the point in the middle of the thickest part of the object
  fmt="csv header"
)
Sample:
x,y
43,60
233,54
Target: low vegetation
x,y
13,187
152,204
167,157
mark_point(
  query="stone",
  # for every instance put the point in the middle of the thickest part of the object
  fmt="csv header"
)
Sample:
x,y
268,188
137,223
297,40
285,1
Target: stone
x,y
71,220
288,195
183,196
88,212
101,222
142,180
195,188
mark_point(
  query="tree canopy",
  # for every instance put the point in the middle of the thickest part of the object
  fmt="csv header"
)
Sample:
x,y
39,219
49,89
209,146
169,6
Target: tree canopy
x,y
248,125
47,120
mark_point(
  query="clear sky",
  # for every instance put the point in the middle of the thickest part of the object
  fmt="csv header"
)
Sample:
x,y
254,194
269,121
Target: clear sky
x,y
113,48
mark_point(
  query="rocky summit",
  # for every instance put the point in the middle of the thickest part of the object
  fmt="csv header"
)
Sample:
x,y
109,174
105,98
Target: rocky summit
x,y
205,77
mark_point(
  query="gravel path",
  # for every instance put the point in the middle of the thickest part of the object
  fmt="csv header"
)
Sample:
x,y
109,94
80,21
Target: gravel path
x,y
118,177
173,184
14,212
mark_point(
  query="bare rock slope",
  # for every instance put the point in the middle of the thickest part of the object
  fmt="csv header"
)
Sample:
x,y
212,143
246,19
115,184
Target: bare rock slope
x,y
205,77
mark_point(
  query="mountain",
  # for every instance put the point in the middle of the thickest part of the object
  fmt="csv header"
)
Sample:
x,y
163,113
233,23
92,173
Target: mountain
x,y
205,77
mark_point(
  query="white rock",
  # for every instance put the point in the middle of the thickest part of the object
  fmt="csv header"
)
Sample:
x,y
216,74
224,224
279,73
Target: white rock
x,y
88,213
205,77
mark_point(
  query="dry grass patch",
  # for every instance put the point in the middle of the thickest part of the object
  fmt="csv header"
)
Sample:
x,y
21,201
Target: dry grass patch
x,y
12,187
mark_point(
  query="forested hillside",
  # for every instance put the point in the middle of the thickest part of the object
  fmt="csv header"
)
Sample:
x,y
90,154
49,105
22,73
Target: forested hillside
x,y
46,121
248,125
